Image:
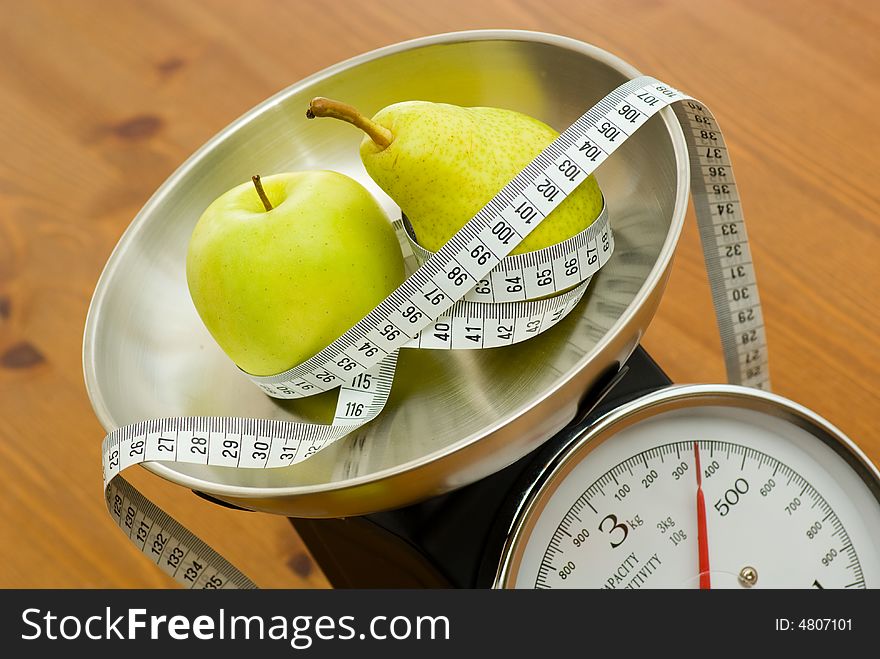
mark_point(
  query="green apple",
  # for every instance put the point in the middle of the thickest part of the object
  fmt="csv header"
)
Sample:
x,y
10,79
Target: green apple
x,y
280,268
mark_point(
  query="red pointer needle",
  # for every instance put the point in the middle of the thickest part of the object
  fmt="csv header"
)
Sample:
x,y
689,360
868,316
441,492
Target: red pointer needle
x,y
702,533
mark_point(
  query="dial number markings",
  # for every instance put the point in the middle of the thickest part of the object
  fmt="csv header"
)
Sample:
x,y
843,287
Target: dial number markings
x,y
628,510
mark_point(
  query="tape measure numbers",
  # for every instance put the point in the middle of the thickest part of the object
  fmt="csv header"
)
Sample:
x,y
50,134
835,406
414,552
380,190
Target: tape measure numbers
x,y
469,294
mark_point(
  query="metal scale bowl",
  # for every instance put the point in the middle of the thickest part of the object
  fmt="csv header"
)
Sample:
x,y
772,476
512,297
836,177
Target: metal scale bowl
x,y
453,417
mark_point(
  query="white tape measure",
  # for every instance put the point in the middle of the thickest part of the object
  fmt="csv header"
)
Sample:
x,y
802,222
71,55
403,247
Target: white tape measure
x,y
469,294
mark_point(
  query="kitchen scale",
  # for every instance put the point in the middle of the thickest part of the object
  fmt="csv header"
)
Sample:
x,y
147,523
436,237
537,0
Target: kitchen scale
x,y
541,464
566,516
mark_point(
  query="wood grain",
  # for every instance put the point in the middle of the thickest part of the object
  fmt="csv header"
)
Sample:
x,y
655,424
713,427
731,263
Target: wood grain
x,y
99,103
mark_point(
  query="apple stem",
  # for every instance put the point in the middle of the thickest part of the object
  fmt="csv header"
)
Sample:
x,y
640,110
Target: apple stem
x,y
325,107
259,186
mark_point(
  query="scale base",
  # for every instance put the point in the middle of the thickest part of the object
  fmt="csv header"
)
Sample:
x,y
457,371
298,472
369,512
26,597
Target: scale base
x,y
455,540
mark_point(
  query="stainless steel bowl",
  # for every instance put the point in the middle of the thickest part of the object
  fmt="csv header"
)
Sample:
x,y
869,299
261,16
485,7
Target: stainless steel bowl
x,y
453,417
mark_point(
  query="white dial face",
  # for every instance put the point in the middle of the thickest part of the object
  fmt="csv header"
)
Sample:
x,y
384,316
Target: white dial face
x,y
780,510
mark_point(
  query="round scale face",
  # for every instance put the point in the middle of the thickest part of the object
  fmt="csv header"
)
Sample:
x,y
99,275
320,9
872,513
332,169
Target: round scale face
x,y
781,509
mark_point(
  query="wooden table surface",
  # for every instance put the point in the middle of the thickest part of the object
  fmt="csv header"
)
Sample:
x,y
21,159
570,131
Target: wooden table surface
x,y
99,103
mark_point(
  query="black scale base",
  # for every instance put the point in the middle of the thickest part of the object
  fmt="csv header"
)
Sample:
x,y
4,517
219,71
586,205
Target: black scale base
x,y
455,540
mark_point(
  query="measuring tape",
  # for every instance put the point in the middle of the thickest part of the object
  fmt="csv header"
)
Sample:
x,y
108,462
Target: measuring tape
x,y
469,294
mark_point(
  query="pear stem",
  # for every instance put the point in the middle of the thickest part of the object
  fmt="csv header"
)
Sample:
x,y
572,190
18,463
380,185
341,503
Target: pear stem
x,y
325,107
259,186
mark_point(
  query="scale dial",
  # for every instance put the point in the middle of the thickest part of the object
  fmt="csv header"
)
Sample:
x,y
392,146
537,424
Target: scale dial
x,y
787,500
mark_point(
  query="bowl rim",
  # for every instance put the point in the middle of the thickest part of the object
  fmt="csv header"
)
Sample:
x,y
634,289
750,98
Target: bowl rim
x,y
653,279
